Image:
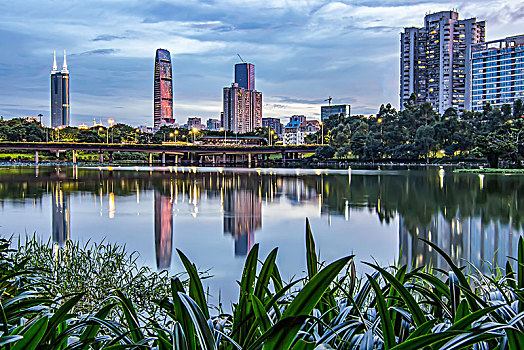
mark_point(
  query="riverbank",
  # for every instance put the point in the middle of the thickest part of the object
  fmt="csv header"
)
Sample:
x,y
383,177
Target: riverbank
x,y
491,171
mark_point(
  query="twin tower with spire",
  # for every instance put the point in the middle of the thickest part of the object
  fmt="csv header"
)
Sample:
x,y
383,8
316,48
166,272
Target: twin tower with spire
x,y
59,94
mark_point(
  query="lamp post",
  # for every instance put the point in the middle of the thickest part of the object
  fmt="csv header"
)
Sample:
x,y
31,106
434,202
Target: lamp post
x,y
271,137
225,136
322,126
111,122
171,134
194,134
176,133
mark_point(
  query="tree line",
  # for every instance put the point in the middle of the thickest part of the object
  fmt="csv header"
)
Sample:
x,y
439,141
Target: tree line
x,y
419,132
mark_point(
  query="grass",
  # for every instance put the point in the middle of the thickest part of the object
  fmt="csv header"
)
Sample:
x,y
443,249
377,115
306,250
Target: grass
x,y
490,171
392,308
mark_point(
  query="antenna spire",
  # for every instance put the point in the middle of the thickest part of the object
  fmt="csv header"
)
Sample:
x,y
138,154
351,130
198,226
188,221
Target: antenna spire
x,y
64,68
55,68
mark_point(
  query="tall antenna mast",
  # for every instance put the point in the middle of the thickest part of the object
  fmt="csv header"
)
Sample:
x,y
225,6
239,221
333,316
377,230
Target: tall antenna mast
x,y
241,58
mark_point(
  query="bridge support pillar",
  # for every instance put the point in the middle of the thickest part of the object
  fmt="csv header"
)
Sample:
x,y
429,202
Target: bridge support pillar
x,y
36,157
249,159
58,154
223,158
101,157
74,156
256,159
110,157
163,158
200,160
176,159
284,158
150,158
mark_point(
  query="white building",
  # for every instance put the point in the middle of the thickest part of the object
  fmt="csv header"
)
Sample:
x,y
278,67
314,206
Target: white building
x,y
295,132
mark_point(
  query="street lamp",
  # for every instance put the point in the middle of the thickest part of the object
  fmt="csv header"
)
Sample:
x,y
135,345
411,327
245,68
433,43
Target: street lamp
x,y
225,136
176,133
171,134
111,122
322,126
194,133
271,137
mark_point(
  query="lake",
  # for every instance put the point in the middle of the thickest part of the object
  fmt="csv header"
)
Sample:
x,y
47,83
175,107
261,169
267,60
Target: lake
x,y
215,215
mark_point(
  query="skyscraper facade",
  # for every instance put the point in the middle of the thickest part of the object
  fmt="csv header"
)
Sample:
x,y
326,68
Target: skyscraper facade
x,y
245,75
498,72
163,89
59,94
273,124
327,111
435,60
242,109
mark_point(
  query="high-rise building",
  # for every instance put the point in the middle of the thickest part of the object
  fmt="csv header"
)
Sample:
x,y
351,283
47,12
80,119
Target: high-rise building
x,y
213,124
194,122
327,111
59,94
242,109
163,86
498,72
297,118
245,75
273,124
435,60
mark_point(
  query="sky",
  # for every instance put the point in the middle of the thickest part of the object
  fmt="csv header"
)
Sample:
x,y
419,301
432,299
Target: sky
x,y
304,51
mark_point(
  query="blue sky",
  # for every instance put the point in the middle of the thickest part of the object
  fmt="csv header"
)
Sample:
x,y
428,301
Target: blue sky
x,y
304,51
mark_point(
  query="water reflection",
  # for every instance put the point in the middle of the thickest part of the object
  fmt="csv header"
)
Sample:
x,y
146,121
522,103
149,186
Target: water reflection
x,y
163,230
242,217
61,216
475,218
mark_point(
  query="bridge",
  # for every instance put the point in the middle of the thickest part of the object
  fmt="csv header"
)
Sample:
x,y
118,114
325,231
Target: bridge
x,y
188,153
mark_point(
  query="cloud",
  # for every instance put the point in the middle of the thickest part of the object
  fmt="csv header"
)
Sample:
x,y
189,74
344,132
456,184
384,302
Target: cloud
x,y
304,51
98,52
108,37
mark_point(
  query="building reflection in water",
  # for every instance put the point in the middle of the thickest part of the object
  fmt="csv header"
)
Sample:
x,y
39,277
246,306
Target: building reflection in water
x,y
163,230
464,239
242,205
61,217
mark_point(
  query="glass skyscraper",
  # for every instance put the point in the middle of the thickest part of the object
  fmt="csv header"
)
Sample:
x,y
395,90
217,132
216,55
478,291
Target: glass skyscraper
x,y
327,111
498,72
59,94
245,75
163,94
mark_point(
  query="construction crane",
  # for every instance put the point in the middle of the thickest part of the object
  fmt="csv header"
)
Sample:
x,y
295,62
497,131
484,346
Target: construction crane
x,y
241,58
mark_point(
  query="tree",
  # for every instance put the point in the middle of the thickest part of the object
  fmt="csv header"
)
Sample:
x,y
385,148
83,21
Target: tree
x,y
425,140
325,152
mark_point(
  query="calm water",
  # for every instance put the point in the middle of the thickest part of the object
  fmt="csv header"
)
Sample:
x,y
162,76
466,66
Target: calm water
x,y
215,215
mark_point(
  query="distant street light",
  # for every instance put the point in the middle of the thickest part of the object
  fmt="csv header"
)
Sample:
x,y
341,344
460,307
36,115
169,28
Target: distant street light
x,y
225,135
271,137
322,125
194,134
176,133
111,122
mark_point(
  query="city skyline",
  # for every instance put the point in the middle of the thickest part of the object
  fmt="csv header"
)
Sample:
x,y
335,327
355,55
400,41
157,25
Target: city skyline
x,y
346,51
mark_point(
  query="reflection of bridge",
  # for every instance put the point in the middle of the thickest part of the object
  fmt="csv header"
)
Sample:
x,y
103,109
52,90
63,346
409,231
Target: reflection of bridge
x,y
192,153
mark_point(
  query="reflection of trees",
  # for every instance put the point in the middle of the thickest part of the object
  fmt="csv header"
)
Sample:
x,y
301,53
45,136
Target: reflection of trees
x,y
417,196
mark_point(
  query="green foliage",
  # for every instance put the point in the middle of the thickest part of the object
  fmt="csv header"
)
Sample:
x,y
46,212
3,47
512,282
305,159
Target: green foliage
x,y
393,308
419,132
